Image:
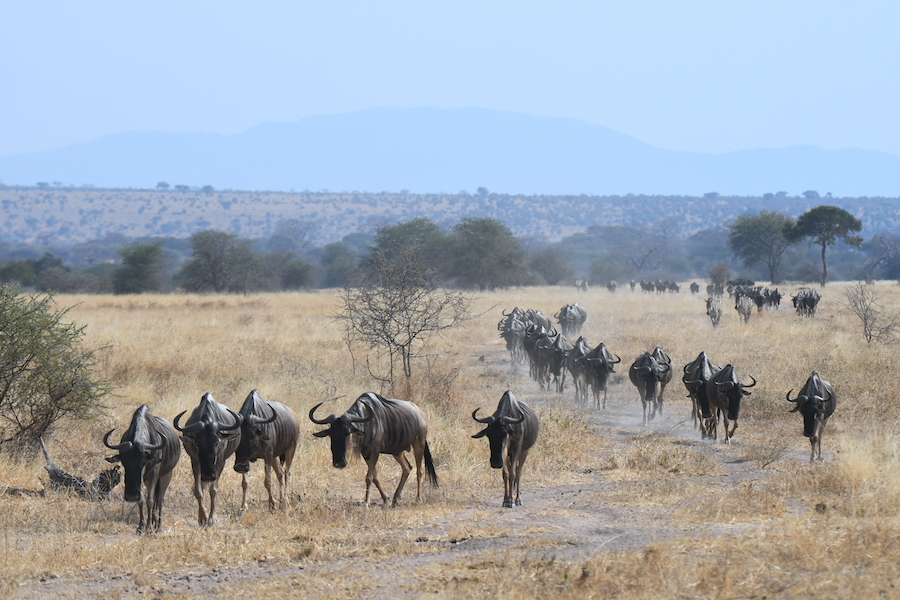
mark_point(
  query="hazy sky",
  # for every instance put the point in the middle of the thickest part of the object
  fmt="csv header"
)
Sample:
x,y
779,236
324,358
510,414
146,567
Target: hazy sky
x,y
707,76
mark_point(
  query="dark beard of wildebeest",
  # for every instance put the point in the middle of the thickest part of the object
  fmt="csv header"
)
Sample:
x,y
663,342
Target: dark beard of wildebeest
x,y
598,364
374,425
512,430
211,435
816,402
696,374
650,373
269,431
724,391
149,451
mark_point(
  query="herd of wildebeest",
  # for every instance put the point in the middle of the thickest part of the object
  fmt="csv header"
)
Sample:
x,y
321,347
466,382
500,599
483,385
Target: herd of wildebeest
x,y
374,425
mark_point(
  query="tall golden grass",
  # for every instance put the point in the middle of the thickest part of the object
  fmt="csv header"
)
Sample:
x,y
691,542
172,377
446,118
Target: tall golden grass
x,y
796,521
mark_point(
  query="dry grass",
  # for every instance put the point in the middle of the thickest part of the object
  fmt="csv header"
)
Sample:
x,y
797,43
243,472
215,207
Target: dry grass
x,y
166,351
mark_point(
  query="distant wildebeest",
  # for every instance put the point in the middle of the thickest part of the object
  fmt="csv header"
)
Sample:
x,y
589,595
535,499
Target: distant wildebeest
x,y
714,310
744,306
581,285
696,375
816,402
512,430
632,284
210,436
598,364
612,285
376,425
725,391
695,287
269,431
571,318
149,451
806,302
650,373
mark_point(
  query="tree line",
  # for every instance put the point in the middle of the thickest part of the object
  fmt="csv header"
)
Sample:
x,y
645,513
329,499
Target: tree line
x,y
475,253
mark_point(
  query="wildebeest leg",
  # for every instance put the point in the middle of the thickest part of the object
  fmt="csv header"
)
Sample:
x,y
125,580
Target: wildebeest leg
x,y
140,528
418,448
404,464
162,485
730,434
372,477
520,463
198,491
244,485
280,475
288,461
267,481
509,466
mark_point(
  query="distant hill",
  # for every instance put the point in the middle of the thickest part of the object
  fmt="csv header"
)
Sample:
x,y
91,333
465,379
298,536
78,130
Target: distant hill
x,y
429,150
63,216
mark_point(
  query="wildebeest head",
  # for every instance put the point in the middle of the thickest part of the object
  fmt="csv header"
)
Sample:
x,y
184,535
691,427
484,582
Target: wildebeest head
x,y
731,387
207,435
256,414
646,373
137,450
341,428
498,430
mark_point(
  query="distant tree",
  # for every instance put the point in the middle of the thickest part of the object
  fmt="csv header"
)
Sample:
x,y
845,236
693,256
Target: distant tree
x,y
422,235
297,275
482,191
141,269
182,188
486,254
825,225
719,274
769,196
19,271
339,264
207,189
42,184
65,281
291,235
221,262
711,195
162,185
811,194
761,238
552,266
781,194
46,374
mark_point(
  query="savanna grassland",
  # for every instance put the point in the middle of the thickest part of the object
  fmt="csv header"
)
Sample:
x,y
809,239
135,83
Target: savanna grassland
x,y
611,509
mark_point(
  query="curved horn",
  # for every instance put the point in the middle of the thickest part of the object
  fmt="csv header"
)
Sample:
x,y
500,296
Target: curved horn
x,y
123,447
154,447
618,360
355,419
257,421
192,428
725,384
788,397
326,421
485,420
238,421
504,313
752,384
513,420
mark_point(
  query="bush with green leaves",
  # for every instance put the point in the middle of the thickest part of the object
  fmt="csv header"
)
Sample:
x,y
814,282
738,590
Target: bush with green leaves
x,y
45,372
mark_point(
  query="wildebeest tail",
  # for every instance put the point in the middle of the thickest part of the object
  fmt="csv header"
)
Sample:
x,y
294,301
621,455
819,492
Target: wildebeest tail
x,y
429,467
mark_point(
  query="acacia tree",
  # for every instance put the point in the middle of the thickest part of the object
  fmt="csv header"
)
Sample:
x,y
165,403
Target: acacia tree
x,y
825,225
486,254
140,270
762,239
397,309
45,374
221,262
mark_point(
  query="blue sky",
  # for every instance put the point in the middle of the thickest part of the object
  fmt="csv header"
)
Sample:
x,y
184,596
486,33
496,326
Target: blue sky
x,y
704,76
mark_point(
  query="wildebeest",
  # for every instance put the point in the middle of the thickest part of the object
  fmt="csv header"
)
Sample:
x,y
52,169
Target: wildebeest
x,y
581,285
511,432
650,373
376,426
598,364
571,318
210,435
539,319
578,368
714,310
512,329
816,402
696,374
149,451
806,302
269,431
724,391
744,306
695,287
